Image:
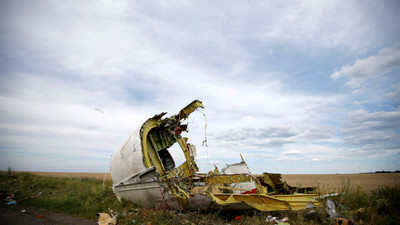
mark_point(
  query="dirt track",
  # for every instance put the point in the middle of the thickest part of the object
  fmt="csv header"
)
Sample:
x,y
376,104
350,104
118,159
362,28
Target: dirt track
x,y
14,215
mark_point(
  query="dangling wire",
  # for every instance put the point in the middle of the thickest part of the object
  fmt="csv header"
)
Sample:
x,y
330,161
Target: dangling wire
x,y
188,131
204,143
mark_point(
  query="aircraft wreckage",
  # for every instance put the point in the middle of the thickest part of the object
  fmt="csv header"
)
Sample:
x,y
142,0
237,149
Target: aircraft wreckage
x,y
144,172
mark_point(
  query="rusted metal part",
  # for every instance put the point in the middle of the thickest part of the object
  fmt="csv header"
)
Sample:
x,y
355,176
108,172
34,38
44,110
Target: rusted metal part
x,y
143,171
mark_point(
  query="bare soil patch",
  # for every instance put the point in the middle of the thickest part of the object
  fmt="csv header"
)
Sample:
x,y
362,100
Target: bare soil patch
x,y
33,216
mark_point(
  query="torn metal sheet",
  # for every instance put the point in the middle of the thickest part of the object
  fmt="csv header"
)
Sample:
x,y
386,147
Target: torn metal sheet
x,y
106,219
143,171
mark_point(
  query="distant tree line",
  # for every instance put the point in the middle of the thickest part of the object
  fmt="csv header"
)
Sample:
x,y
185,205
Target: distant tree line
x,y
384,171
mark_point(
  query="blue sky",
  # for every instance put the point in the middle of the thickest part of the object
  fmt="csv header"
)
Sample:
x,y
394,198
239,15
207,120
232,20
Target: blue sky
x,y
294,86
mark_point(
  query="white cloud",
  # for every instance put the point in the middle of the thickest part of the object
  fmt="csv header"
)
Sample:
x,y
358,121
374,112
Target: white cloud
x,y
292,152
385,60
113,38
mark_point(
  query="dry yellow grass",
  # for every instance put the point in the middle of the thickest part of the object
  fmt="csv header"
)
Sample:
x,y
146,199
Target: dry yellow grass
x,y
326,182
333,182
99,176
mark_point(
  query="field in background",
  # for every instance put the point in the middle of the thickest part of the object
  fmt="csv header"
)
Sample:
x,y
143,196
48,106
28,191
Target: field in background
x,y
326,182
333,182
99,176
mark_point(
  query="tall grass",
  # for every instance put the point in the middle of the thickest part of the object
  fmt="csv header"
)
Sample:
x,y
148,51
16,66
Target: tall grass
x,y
382,206
386,203
73,196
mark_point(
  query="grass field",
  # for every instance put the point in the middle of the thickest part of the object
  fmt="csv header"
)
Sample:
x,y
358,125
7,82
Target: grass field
x,y
98,176
85,194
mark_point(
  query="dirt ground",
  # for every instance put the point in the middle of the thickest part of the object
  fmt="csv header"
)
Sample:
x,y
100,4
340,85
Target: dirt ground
x,y
16,215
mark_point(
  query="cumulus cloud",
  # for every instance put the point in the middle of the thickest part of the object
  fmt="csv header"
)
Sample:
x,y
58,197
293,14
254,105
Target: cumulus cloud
x,y
292,152
385,60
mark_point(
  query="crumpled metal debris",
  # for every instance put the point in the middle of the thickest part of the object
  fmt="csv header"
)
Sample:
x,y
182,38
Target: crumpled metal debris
x,y
144,172
310,205
331,209
106,219
276,220
33,196
328,195
12,202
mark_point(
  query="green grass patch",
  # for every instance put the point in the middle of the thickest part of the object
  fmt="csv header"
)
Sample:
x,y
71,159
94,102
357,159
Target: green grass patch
x,y
72,196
